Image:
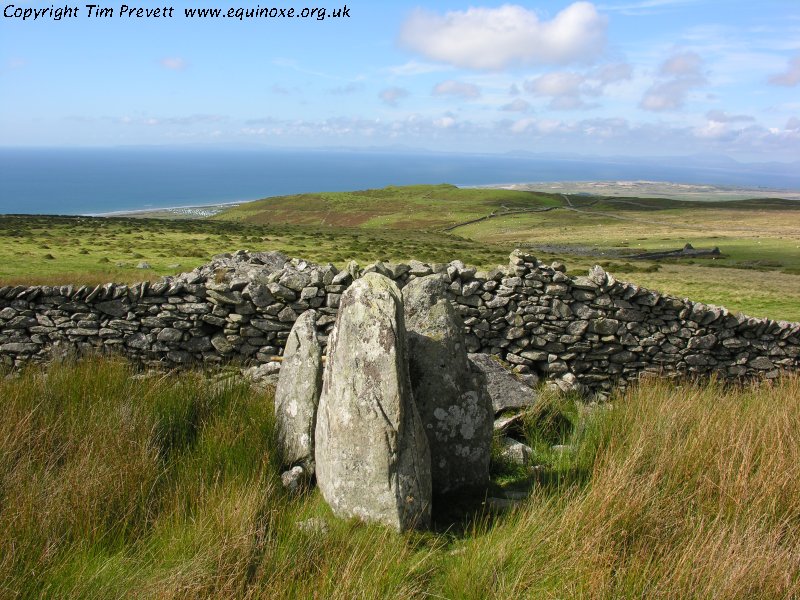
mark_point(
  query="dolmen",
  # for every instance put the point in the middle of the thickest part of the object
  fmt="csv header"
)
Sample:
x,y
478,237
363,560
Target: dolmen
x,y
401,415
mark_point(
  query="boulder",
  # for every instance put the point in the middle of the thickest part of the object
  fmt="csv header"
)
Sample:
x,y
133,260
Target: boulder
x,y
298,391
505,390
372,455
455,409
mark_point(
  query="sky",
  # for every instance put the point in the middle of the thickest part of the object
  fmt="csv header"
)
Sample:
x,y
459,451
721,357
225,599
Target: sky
x,y
606,78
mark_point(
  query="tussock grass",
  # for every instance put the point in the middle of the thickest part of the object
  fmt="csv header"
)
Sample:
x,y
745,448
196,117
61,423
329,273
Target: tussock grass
x,y
113,485
694,493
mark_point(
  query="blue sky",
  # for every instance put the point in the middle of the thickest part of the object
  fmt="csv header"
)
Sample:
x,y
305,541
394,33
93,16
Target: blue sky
x,y
617,77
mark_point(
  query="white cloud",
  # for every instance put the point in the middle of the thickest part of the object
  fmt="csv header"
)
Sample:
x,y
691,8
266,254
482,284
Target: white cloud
x,y
522,125
563,89
392,95
680,74
791,76
517,105
173,63
446,122
567,89
685,64
413,67
497,38
720,116
793,124
461,89
612,73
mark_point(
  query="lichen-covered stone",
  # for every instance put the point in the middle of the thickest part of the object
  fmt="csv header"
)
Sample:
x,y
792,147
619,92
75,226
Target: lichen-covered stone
x,y
372,455
505,391
298,391
455,410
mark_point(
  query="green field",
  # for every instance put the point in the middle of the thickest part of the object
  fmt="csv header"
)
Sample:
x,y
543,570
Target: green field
x,y
758,272
113,486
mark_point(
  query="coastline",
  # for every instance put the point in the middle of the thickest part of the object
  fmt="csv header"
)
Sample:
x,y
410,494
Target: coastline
x,y
172,209
621,188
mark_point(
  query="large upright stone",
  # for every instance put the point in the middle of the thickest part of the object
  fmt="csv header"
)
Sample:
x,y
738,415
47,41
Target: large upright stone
x,y
455,410
298,392
372,455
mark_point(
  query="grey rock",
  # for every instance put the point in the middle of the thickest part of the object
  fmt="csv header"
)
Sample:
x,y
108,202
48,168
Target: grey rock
x,y
222,345
115,308
298,391
294,479
19,348
515,452
169,335
455,409
372,455
505,391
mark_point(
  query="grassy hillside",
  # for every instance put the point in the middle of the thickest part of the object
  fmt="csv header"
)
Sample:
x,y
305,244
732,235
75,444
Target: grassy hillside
x,y
167,487
758,272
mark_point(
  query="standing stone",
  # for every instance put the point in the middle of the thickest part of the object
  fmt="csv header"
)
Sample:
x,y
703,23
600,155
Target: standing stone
x,y
372,455
455,410
298,391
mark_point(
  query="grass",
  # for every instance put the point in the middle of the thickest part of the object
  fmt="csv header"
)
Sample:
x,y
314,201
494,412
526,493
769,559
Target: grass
x,y
167,487
94,250
758,274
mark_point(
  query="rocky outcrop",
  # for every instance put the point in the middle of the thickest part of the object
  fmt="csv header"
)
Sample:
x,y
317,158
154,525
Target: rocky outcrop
x,y
372,455
589,332
455,408
297,393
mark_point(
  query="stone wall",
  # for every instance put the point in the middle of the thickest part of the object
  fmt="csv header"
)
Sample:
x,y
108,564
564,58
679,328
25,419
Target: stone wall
x,y
590,330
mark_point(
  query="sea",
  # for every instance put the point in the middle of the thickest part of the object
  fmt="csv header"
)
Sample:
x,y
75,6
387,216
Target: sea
x,y
103,181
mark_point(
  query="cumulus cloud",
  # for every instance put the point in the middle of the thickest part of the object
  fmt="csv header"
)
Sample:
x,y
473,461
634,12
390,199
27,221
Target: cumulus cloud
x,y
612,73
563,89
517,105
392,95
567,90
686,64
791,76
173,63
461,89
496,38
679,75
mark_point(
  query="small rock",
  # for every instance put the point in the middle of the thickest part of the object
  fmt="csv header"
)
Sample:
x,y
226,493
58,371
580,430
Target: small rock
x,y
314,525
294,479
515,452
144,265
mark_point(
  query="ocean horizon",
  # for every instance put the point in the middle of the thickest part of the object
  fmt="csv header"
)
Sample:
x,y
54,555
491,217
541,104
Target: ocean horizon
x,y
105,181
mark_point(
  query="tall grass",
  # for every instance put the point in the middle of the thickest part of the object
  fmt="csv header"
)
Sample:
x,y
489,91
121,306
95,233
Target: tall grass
x,y
694,493
167,487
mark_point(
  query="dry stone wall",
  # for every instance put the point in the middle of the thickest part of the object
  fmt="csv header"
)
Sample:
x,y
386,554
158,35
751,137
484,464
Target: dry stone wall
x,y
591,331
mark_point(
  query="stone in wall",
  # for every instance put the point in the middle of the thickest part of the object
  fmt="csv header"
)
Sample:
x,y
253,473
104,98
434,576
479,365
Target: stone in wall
x,y
372,455
454,407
